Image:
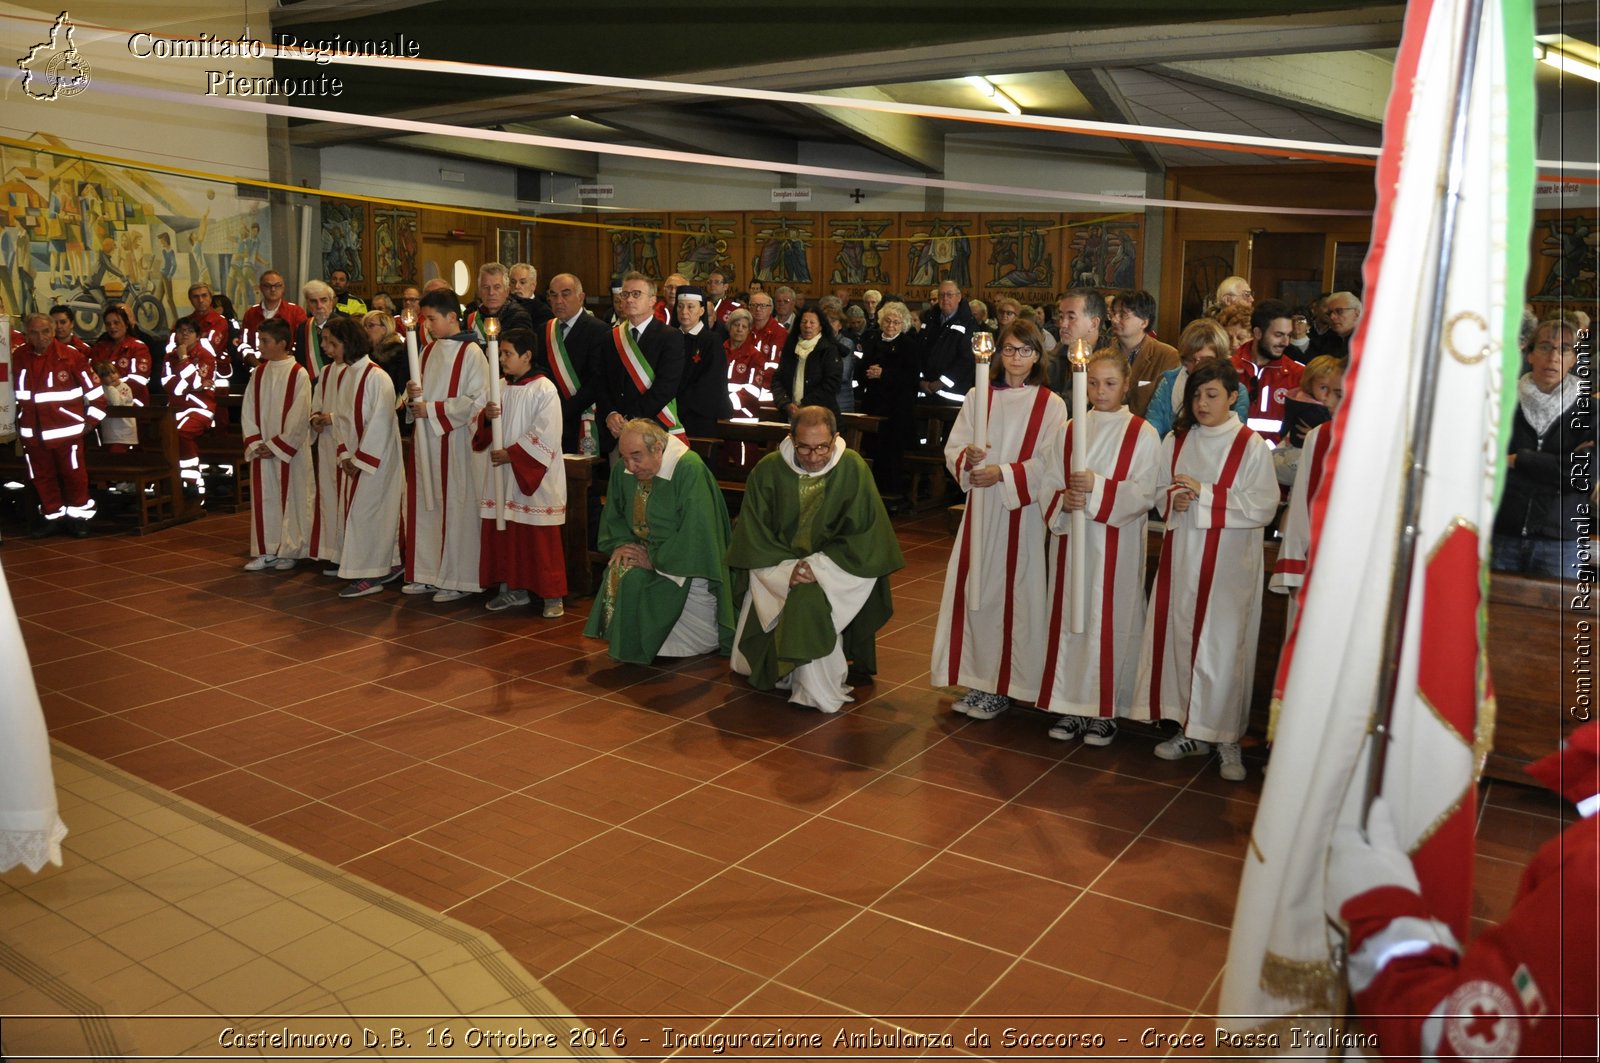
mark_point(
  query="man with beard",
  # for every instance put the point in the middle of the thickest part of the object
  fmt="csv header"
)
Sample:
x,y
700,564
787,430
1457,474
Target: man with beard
x,y
1265,367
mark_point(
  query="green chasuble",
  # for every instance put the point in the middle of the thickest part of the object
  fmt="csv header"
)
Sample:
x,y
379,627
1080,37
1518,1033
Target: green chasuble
x,y
684,522
787,516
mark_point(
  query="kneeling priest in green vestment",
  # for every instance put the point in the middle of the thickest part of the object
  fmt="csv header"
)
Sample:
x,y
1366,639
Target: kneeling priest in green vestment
x,y
665,591
810,560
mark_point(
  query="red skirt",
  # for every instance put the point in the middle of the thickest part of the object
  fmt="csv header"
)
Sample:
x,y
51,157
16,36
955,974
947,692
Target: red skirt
x,y
525,557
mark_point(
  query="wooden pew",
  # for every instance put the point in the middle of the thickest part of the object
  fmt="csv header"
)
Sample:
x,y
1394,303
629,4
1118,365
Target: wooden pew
x,y
581,474
225,446
929,480
152,468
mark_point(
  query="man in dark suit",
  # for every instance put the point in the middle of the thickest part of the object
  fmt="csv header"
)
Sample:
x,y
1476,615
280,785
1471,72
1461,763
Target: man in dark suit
x,y
643,366
947,328
575,345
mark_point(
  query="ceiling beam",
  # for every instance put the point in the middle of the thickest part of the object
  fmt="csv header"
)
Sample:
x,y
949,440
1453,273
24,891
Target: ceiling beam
x,y
583,164
684,130
1110,105
1348,85
905,138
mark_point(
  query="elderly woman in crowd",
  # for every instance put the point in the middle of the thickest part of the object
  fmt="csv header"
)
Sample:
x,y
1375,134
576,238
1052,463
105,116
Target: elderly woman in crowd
x,y
746,362
1550,470
811,367
890,358
849,350
389,354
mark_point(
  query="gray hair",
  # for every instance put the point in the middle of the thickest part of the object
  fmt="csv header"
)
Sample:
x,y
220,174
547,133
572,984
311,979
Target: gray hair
x,y
495,269
649,431
893,309
316,289
742,314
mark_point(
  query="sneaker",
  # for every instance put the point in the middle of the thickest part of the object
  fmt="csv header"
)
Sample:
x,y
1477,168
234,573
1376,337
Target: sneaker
x,y
419,588
361,588
334,571
449,596
1182,746
1099,731
969,700
554,607
259,563
991,706
283,564
1067,728
503,600
394,574
1232,761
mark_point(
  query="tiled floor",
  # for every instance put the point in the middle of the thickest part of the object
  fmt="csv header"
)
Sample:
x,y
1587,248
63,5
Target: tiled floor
x,y
667,841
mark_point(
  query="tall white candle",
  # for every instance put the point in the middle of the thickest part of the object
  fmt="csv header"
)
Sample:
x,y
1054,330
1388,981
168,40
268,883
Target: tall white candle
x,y
1079,356
491,329
422,470
982,352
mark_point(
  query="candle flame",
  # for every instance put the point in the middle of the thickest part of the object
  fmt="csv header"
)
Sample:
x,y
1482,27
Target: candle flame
x,y
491,327
1078,353
408,317
983,345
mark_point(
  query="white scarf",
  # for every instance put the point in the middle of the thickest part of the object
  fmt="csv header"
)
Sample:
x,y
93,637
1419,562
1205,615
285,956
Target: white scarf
x,y
802,350
1542,410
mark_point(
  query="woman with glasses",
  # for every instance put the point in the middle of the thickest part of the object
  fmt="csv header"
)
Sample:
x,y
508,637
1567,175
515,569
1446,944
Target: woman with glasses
x,y
890,359
811,369
993,643
1546,510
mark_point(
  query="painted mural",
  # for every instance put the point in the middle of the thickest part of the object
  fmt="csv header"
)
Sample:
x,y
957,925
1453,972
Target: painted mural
x,y
635,248
343,227
708,245
1566,256
80,233
395,244
782,246
860,249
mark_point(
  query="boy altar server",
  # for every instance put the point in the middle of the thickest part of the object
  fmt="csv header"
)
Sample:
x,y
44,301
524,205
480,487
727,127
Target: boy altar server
x,y
371,475
442,532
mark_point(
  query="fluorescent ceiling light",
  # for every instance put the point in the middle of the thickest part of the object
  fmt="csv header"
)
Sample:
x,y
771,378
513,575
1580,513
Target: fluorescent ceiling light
x,y
995,93
1566,63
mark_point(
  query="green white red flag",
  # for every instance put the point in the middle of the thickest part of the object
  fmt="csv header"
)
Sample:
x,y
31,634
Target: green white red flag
x,y
1282,957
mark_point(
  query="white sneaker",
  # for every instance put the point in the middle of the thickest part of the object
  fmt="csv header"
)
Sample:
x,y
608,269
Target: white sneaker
x,y
283,564
1099,731
334,571
1182,746
554,607
449,596
503,600
967,701
419,588
259,563
1232,761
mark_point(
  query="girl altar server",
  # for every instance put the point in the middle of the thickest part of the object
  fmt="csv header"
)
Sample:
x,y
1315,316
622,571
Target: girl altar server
x,y
526,559
371,477
327,529
994,645
1216,489
1088,678
275,417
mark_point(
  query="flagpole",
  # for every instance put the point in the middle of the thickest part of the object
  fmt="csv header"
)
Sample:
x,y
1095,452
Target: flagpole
x,y
1422,419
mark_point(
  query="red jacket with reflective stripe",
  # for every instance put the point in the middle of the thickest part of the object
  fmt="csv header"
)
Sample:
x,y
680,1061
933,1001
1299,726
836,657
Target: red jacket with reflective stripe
x,y
58,396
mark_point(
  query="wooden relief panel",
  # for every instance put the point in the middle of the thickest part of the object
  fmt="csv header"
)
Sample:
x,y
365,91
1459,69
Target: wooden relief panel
x,y
858,252
937,248
1021,257
705,242
782,249
633,243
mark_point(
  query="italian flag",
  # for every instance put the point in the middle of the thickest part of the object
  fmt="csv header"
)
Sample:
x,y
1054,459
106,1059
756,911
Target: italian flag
x,y
1281,961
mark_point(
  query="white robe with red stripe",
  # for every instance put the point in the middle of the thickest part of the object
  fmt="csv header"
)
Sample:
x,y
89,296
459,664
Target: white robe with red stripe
x,y
276,411
996,645
444,542
1197,660
1289,575
1092,674
327,530
368,435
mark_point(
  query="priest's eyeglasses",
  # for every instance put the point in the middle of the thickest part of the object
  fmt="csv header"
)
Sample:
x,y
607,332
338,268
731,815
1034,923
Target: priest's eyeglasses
x,y
813,448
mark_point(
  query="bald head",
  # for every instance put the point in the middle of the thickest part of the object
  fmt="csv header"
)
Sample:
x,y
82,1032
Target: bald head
x,y
566,296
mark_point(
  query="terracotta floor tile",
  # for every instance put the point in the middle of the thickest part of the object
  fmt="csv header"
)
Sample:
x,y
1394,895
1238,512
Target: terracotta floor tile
x,y
979,901
750,921
1494,886
775,1008
64,710
635,973
611,789
594,669
433,731
57,647
140,685
844,861
902,666
1038,1001
260,737
976,768
327,833
332,766
92,616
1042,843
871,740
622,874
443,680
106,736
170,764
692,749
723,824
452,640
522,702
190,713
799,779
1120,801
513,833
1515,836
233,664
911,809
1207,822
517,758
881,966
1171,958
415,798
521,656
291,686
427,875
676,695
1534,800
379,661
1022,729
541,930
1133,753
243,795
764,716
1177,879
321,642
351,710
167,650
601,725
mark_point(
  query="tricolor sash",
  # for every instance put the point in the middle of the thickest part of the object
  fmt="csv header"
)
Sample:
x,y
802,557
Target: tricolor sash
x,y
561,367
314,357
643,376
